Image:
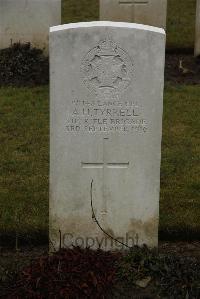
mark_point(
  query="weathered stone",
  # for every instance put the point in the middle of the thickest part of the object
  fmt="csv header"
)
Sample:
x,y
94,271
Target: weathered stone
x,y
143,283
148,12
28,21
106,123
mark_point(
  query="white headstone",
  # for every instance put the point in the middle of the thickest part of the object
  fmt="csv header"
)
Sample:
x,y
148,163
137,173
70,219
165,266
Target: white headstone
x,y
28,21
106,124
197,35
148,12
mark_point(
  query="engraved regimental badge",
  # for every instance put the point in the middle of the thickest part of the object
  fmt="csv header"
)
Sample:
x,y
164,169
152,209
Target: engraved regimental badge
x,y
107,69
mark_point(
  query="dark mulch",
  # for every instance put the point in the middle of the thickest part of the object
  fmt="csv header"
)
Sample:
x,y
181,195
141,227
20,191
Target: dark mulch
x,y
71,273
182,69
170,276
85,273
22,65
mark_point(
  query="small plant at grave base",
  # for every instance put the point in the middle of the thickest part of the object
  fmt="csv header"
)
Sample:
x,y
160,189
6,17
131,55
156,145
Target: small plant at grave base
x,y
172,276
68,273
22,65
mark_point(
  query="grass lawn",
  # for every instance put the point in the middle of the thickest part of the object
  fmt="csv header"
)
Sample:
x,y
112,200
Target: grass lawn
x,y
181,23
180,185
24,160
180,19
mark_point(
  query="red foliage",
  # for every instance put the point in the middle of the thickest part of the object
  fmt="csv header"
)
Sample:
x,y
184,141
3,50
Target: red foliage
x,y
69,273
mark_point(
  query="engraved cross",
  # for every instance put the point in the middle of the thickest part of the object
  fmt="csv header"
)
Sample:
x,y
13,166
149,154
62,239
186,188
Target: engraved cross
x,y
132,3
105,165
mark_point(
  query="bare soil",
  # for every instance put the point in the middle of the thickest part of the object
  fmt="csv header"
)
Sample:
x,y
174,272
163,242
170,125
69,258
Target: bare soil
x,y
12,262
182,69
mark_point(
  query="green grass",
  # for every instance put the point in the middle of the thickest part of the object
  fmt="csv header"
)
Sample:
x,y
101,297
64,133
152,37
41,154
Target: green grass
x,y
80,10
181,23
180,185
24,159
180,19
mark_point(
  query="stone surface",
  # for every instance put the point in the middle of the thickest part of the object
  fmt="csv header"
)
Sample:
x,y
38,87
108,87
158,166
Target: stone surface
x,y
197,35
106,122
148,12
28,21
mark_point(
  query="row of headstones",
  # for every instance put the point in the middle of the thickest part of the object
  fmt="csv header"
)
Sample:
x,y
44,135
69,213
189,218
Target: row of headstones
x,y
148,12
29,20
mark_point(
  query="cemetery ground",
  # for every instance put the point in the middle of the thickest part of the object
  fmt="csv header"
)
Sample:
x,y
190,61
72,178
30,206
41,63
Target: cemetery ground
x,y
24,185
24,162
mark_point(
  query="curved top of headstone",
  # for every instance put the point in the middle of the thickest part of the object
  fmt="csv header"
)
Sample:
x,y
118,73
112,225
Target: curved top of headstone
x,y
107,24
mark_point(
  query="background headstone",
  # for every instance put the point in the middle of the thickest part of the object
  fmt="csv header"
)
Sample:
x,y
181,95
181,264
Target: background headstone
x,y
28,21
106,124
148,12
197,35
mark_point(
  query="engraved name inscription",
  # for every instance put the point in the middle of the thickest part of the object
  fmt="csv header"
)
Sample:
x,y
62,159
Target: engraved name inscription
x,y
99,117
